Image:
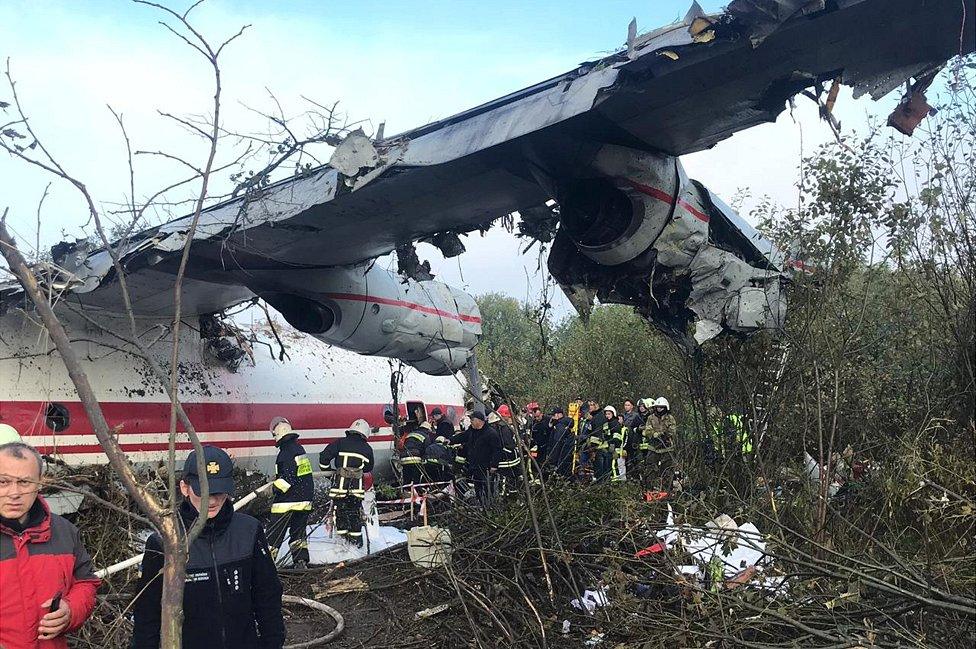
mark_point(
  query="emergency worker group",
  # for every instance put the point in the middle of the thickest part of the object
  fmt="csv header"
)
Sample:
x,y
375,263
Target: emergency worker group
x,y
232,593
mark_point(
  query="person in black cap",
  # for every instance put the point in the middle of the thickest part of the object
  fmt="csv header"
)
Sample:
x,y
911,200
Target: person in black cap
x,y
442,427
292,489
232,595
484,448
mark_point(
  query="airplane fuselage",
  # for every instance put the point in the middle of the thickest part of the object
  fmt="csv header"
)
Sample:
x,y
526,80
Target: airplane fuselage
x,y
319,388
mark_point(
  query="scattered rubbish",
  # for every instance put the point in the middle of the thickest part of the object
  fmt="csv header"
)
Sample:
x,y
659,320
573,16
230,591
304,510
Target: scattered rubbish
x,y
430,612
352,584
591,600
595,639
654,496
657,548
565,627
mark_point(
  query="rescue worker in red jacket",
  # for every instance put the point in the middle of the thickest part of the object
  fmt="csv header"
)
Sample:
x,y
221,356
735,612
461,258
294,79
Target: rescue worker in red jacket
x,y
47,587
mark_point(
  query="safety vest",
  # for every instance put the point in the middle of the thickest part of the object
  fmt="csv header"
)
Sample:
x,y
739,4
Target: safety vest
x,y
348,480
743,439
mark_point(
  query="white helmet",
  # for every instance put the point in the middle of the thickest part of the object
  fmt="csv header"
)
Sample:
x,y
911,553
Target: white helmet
x,y
610,409
647,402
426,426
661,402
280,428
9,434
360,427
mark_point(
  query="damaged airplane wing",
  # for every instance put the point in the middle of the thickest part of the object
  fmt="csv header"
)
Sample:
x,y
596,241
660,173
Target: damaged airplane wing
x,y
601,141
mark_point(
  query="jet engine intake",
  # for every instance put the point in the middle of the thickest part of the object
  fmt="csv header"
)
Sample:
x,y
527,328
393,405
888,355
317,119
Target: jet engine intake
x,y
367,309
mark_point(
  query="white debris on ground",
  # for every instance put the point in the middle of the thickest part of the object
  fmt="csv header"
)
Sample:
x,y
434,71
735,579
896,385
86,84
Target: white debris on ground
x,y
591,600
737,547
324,547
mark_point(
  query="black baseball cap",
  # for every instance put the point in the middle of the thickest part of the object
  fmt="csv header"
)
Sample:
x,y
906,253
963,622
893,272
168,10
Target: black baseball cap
x,y
436,411
219,468
477,414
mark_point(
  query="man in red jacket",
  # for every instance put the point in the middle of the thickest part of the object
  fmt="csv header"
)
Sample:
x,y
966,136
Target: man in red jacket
x,y
47,587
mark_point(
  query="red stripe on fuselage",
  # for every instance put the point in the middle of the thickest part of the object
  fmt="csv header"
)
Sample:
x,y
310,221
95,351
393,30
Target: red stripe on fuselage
x,y
148,418
72,449
355,297
665,197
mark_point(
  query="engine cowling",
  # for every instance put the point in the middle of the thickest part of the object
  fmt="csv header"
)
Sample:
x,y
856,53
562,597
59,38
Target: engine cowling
x,y
367,309
636,230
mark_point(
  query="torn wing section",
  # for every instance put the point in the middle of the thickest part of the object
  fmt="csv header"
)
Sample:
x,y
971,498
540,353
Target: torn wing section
x,y
635,230
367,309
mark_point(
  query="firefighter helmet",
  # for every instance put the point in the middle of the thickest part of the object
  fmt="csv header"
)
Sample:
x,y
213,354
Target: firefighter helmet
x,y
661,402
610,409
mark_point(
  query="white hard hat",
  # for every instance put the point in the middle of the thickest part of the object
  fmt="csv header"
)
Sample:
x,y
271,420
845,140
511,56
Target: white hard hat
x,y
280,427
610,409
662,402
425,425
9,434
360,427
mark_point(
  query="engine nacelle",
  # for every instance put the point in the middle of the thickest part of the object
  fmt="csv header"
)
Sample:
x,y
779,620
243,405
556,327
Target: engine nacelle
x,y
367,309
650,237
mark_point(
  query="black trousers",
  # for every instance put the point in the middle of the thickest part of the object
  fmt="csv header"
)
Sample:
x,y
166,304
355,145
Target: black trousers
x,y
349,518
295,523
434,472
484,487
412,474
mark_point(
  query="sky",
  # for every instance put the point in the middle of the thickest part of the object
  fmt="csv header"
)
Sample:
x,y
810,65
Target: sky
x,y
402,63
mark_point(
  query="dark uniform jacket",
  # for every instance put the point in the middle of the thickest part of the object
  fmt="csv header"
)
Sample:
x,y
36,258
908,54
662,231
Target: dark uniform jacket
x,y
232,595
438,453
483,447
561,443
540,438
510,457
444,428
414,443
352,453
293,478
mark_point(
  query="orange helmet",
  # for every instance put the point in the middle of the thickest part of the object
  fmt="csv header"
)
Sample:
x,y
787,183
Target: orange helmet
x,y
504,410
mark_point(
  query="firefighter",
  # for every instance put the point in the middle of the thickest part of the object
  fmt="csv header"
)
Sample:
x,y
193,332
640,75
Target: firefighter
x,y
352,458
292,490
412,457
510,463
642,437
232,594
438,460
561,443
539,432
634,423
660,428
615,437
599,440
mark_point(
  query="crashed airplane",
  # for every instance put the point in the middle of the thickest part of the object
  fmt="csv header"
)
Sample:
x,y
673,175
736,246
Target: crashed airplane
x,y
589,160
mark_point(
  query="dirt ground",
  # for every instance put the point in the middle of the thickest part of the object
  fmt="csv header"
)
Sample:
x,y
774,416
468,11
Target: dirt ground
x,y
381,616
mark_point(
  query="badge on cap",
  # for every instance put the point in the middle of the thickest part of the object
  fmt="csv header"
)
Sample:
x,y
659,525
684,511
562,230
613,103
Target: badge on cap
x,y
213,468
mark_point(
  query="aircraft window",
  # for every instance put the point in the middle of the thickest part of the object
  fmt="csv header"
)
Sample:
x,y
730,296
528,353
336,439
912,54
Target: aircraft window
x,y
416,411
57,417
